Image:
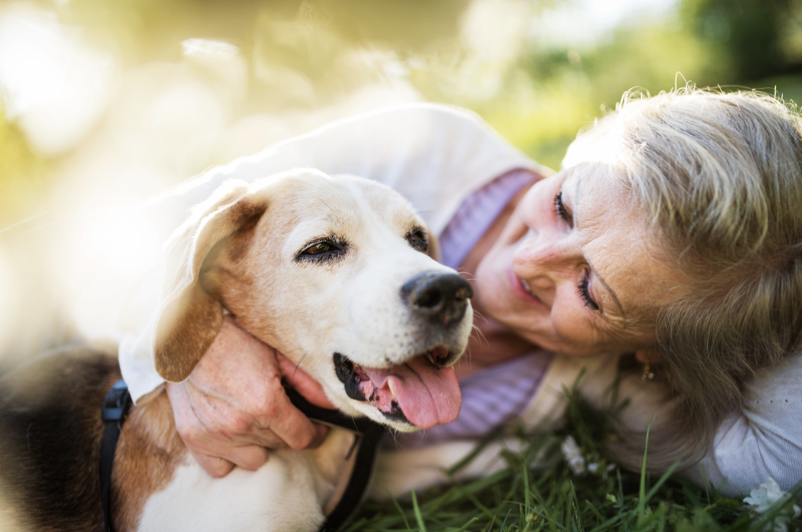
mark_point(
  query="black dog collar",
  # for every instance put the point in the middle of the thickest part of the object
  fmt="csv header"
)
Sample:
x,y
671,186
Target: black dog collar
x,y
115,407
118,402
369,432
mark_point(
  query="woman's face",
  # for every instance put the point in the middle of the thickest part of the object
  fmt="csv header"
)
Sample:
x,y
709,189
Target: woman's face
x,y
574,269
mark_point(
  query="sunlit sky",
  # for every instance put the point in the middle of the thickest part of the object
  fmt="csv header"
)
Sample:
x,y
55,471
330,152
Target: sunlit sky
x,y
121,133
581,23
46,70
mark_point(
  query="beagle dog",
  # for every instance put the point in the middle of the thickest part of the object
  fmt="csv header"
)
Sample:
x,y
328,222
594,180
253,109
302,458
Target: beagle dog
x,y
335,272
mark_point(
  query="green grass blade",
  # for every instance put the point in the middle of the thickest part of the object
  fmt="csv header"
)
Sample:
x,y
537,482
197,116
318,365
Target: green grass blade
x,y
642,491
527,494
595,510
398,507
418,516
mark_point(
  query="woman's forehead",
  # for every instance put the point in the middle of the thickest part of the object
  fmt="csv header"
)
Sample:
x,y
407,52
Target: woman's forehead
x,y
593,171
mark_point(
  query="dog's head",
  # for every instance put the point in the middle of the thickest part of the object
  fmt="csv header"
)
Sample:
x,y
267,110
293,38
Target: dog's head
x,y
335,272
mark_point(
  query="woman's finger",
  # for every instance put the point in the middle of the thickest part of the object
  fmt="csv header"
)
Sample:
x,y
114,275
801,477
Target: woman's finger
x,y
250,457
302,382
216,467
261,437
293,427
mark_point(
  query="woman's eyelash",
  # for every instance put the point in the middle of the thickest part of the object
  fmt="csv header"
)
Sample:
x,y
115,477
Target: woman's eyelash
x,y
559,207
584,293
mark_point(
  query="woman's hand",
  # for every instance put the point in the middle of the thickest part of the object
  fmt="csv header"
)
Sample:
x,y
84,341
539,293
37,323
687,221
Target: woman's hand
x,y
233,406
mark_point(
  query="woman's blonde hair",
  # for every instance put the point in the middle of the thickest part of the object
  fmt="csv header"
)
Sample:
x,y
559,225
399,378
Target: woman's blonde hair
x,y
719,175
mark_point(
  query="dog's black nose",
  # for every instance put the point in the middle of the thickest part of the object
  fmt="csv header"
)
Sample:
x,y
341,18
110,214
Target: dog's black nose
x,y
441,297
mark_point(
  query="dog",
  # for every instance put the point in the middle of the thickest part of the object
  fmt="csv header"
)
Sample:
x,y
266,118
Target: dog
x,y
335,272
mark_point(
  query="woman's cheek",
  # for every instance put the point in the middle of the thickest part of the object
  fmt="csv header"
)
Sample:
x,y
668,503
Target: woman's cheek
x,y
573,329
514,230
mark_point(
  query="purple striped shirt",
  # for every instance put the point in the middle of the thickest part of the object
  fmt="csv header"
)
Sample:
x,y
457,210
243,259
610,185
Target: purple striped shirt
x,y
495,395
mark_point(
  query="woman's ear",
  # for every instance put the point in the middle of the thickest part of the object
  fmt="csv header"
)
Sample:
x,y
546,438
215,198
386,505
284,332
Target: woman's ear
x,y
189,318
648,356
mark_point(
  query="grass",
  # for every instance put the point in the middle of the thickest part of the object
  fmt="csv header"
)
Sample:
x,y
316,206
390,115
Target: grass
x,y
552,498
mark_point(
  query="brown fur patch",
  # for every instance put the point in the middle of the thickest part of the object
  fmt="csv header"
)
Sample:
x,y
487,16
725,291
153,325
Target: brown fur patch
x,y
50,433
189,324
188,328
147,455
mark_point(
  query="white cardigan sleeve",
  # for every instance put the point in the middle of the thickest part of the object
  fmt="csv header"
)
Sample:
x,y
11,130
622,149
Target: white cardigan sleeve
x,y
434,155
764,439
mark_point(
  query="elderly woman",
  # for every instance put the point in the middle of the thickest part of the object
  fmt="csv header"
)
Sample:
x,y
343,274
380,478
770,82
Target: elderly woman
x,y
671,237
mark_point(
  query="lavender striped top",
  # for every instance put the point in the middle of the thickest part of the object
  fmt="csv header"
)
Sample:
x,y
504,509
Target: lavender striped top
x,y
496,395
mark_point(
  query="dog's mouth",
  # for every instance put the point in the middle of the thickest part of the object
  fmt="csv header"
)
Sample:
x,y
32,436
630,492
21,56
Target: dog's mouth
x,y
421,392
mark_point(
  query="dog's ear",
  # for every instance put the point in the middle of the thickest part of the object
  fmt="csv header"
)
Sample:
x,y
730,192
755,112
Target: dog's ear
x,y
434,245
189,318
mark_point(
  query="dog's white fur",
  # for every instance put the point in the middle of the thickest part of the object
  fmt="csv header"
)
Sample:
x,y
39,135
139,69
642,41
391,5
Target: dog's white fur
x,y
292,491
242,251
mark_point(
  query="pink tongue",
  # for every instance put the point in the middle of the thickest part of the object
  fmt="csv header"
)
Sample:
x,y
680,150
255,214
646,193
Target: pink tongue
x,y
427,396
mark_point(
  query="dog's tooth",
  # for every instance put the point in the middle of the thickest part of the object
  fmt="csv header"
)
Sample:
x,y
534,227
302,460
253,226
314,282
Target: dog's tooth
x,y
392,390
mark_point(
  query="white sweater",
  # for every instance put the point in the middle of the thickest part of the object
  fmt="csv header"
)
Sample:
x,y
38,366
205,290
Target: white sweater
x,y
436,156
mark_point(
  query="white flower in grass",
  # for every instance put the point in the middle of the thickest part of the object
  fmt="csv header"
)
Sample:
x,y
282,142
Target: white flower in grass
x,y
765,496
573,456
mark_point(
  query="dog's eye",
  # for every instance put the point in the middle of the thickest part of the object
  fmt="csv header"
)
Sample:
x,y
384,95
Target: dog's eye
x,y
418,239
315,249
323,250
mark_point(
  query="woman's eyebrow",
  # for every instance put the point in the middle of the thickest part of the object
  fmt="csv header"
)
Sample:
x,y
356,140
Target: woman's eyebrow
x,y
599,277
610,290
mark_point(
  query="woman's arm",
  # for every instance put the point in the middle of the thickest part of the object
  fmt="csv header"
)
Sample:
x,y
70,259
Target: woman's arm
x,y
764,439
233,405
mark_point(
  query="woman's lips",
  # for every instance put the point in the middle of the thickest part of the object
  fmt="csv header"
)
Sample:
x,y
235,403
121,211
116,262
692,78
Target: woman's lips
x,y
521,288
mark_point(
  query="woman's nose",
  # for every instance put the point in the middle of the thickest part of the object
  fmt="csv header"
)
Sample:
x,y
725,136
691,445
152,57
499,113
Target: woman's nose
x,y
540,256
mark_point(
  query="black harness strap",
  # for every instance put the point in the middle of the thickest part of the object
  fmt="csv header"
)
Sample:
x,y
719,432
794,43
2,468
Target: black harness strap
x,y
115,408
118,402
370,434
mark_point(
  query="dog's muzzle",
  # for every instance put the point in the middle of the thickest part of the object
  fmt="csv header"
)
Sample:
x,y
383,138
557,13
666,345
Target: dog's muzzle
x,y
441,298
421,392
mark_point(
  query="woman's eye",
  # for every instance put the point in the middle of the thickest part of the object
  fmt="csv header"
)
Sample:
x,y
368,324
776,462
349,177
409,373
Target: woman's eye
x,y
584,293
559,208
419,240
315,249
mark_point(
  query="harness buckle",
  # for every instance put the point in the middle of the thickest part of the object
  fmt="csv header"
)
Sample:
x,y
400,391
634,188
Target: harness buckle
x,y
116,403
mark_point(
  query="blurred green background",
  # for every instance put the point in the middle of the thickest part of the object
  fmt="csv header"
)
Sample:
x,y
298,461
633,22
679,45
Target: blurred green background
x,y
538,71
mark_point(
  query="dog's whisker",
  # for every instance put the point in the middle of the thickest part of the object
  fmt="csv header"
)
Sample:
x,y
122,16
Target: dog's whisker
x,y
477,314
298,364
481,335
394,433
465,273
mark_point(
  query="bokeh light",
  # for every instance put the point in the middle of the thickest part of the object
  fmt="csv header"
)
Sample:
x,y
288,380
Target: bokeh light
x,y
104,104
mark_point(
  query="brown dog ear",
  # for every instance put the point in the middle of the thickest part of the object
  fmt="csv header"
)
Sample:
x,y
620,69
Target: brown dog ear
x,y
189,318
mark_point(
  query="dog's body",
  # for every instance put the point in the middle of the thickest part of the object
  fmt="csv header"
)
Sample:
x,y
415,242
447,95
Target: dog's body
x,y
331,271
